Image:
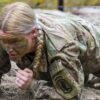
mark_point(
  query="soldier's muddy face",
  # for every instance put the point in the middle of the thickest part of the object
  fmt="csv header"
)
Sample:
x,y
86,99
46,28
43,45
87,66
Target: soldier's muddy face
x,y
16,46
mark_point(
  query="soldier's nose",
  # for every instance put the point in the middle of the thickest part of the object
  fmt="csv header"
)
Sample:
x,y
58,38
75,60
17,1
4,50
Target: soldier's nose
x,y
11,50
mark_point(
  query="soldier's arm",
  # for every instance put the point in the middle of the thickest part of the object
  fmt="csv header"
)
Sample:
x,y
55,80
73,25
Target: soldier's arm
x,y
66,71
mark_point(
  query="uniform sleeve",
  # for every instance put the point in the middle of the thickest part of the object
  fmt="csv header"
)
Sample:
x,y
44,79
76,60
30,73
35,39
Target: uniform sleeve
x,y
66,71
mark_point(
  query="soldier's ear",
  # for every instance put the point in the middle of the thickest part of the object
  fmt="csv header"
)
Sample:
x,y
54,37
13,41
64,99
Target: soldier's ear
x,y
1,32
34,32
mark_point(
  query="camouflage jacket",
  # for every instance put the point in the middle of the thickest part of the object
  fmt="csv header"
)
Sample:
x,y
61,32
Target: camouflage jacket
x,y
72,48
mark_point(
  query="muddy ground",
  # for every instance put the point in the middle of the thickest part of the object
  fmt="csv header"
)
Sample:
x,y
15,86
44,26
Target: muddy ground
x,y
8,88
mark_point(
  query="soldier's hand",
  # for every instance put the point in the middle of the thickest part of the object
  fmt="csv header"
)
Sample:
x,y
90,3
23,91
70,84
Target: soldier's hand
x,y
24,78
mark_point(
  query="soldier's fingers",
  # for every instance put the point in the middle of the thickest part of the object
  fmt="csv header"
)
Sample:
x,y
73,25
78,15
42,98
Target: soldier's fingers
x,y
21,84
22,77
24,73
28,70
17,82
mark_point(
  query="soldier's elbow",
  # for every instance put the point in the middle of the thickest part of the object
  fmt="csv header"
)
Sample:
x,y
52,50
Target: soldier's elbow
x,y
71,92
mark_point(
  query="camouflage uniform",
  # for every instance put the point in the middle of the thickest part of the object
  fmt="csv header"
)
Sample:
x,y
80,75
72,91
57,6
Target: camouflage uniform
x,y
5,64
72,48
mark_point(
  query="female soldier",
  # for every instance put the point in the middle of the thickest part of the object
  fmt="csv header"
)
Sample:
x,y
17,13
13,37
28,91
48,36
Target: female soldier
x,y
50,45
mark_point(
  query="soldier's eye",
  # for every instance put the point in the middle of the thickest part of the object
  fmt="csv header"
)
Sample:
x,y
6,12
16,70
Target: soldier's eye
x,y
20,44
9,41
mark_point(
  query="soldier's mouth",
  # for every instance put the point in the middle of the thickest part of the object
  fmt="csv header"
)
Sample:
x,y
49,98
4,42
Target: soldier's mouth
x,y
12,56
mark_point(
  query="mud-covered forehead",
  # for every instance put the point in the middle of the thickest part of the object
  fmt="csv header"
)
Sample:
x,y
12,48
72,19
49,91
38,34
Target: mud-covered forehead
x,y
19,40
10,36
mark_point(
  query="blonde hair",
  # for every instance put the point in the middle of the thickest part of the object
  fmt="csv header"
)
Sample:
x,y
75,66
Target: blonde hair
x,y
19,18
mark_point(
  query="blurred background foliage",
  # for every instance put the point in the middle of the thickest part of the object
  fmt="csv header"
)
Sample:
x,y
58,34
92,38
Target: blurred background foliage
x,y
53,4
